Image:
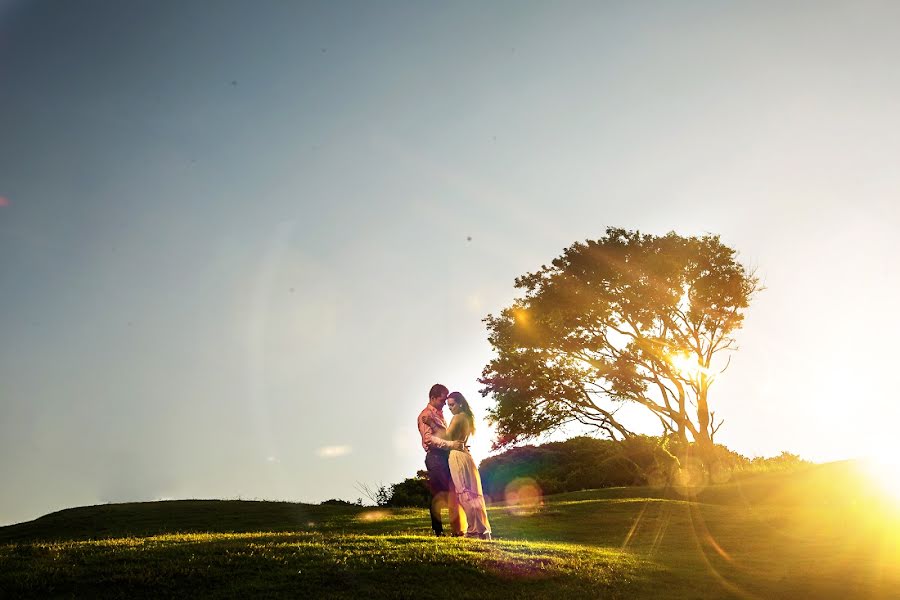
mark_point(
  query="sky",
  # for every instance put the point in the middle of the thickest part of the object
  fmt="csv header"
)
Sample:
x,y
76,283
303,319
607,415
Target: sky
x,y
239,241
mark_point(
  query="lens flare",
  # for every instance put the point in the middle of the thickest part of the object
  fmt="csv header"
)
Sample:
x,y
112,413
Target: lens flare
x,y
334,451
691,477
523,496
374,515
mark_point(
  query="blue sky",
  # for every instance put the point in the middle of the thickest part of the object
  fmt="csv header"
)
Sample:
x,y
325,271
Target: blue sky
x,y
234,249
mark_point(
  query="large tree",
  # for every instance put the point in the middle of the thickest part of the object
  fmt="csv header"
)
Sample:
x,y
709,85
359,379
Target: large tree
x,y
630,317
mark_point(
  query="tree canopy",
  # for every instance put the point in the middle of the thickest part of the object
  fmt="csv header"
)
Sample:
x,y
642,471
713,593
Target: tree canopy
x,y
630,317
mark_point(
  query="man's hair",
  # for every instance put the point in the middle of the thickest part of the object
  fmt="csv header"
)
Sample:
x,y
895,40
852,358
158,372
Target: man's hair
x,y
437,390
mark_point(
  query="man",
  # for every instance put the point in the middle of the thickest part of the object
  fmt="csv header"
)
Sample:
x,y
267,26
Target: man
x,y
437,455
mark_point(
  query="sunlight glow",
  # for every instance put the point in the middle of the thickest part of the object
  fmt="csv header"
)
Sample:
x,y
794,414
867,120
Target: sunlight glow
x,y
521,316
884,470
688,365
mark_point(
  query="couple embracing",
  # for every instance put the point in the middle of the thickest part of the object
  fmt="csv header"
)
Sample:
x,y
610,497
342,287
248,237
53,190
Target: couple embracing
x,y
452,475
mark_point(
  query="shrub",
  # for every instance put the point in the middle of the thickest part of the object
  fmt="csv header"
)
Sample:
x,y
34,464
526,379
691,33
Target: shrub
x,y
585,463
783,462
338,502
412,491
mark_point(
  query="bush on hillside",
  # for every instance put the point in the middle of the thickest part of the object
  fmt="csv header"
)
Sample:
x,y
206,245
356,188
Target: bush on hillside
x,y
783,462
577,464
412,491
586,463
339,502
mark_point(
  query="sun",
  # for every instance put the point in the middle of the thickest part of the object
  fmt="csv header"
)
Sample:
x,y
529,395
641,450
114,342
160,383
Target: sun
x,y
687,365
884,470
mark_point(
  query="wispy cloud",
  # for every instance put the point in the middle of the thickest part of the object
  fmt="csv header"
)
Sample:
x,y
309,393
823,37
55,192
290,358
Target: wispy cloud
x,y
333,451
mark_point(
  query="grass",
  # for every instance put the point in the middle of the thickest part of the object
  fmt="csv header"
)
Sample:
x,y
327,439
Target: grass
x,y
823,533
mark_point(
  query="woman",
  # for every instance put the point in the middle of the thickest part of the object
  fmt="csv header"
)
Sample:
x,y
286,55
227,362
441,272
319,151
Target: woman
x,y
465,475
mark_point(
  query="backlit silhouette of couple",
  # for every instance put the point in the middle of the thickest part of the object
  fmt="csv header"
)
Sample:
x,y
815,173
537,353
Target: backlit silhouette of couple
x,y
453,478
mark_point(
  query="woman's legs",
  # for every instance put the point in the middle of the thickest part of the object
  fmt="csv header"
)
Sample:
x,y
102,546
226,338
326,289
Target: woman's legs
x,y
476,515
467,482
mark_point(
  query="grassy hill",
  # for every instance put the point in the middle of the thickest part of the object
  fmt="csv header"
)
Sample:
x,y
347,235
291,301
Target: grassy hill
x,y
826,532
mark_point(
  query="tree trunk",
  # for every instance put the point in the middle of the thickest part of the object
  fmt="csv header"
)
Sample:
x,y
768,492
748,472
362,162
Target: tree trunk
x,y
704,442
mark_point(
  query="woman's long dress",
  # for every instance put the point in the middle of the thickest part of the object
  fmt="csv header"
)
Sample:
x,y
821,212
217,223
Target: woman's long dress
x,y
467,482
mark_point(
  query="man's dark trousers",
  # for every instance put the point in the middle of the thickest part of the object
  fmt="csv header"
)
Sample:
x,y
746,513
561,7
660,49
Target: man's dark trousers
x,y
440,483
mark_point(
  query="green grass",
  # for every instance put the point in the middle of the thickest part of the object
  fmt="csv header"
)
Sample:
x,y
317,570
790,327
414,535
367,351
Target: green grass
x,y
823,533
